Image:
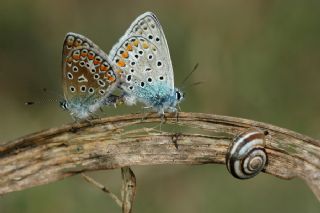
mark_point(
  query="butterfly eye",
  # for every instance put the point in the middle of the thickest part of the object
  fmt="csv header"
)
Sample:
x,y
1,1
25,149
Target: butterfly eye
x,y
153,26
129,78
133,63
96,76
64,104
140,52
150,79
158,39
161,78
131,87
148,69
150,56
150,37
142,84
159,63
132,70
179,95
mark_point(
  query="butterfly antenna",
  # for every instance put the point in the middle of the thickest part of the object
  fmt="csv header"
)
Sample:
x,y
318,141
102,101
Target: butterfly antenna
x,y
52,93
29,103
45,100
192,85
189,75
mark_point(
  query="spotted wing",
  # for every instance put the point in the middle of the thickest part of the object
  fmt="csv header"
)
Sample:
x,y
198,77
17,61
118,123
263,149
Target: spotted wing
x,y
143,52
88,74
74,40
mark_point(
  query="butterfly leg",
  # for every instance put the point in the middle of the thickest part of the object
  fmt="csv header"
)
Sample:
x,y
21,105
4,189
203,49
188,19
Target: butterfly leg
x,y
145,114
114,100
162,116
177,116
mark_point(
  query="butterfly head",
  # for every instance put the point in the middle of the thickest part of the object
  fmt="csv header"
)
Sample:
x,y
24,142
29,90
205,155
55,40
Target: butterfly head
x,y
63,104
179,95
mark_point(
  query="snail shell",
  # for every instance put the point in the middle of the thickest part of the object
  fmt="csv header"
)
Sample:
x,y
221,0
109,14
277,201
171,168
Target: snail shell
x,y
247,156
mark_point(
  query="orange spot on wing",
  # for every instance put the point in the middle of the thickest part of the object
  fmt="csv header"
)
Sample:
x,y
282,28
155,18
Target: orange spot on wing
x,y
129,47
95,62
69,59
125,54
90,56
76,56
119,71
111,79
84,54
136,43
121,63
145,45
103,67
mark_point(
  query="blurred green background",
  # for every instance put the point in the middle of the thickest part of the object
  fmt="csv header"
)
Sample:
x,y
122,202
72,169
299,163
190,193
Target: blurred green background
x,y
259,59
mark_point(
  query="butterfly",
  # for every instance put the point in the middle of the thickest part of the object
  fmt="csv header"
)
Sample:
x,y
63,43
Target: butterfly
x,y
88,76
146,74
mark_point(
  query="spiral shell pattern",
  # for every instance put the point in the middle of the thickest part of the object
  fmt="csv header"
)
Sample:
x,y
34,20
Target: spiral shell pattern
x,y
247,156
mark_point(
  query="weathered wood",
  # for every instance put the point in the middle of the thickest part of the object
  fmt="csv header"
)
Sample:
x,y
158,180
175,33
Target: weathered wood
x,y
120,141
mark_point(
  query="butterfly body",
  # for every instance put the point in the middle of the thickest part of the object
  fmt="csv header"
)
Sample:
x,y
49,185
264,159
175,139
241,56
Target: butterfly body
x,y
146,71
80,109
159,97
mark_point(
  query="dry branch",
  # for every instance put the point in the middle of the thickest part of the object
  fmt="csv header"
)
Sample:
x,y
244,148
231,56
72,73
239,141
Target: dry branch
x,y
121,141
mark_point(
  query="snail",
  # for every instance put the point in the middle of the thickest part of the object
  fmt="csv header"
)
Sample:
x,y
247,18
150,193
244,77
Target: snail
x,y
246,155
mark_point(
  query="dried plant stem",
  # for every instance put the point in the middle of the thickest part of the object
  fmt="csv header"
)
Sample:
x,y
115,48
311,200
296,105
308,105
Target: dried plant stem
x,y
102,188
121,141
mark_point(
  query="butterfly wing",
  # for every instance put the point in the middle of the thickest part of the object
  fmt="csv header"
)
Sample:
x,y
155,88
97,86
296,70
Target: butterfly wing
x,y
88,74
143,55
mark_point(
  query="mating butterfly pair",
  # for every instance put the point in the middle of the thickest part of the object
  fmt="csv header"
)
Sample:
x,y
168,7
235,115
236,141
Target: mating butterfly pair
x,y
139,65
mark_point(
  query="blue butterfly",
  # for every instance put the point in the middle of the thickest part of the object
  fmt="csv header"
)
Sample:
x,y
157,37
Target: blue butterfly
x,y
146,75
88,77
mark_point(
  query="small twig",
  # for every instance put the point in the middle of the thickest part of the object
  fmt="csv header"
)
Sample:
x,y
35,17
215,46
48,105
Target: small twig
x,y
102,188
129,187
